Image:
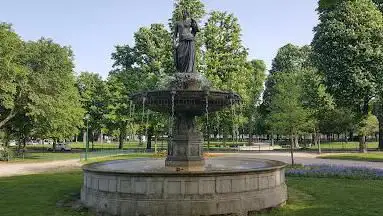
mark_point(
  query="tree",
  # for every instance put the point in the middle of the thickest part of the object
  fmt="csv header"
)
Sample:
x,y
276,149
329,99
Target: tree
x,y
153,47
289,59
12,73
316,99
347,48
254,87
378,112
52,99
337,120
195,8
287,113
379,4
226,65
369,125
124,80
37,91
93,96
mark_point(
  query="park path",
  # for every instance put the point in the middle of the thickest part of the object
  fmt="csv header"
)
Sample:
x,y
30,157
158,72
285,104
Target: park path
x,y
13,169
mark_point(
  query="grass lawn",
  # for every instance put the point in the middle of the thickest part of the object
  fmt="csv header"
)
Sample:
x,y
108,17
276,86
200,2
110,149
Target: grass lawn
x,y
30,157
121,157
374,157
36,195
50,156
337,197
344,145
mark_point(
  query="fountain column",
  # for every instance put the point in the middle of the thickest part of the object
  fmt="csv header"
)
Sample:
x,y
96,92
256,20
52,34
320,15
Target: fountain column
x,y
187,142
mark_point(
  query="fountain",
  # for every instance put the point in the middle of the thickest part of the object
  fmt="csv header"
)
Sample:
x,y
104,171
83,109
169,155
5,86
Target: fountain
x,y
186,183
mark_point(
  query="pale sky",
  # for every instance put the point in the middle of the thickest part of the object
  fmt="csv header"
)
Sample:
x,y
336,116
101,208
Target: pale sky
x,y
93,27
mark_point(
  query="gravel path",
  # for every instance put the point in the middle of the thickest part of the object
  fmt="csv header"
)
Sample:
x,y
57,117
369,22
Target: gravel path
x,y
13,169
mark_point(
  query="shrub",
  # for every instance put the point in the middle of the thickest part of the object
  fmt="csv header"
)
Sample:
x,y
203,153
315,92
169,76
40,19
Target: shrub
x,y
6,154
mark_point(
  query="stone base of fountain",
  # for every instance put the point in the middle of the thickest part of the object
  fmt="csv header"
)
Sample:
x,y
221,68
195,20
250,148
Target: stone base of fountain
x,y
146,187
186,184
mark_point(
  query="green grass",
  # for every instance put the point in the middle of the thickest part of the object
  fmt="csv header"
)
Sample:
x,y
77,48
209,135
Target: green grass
x,y
37,195
30,157
373,157
344,145
120,157
50,156
332,197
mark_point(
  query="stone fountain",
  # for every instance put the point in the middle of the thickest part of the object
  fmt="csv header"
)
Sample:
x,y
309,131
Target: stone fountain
x,y
186,183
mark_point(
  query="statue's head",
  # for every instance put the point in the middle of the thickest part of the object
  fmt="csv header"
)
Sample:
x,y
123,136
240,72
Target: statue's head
x,y
185,14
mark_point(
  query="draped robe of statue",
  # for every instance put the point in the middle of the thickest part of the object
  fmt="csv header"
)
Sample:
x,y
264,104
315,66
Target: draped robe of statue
x,y
185,51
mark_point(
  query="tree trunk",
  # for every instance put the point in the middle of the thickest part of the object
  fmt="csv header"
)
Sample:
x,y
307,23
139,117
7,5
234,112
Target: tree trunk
x,y
313,139
296,141
24,142
250,134
84,137
292,149
351,135
317,142
272,139
149,138
19,146
92,140
362,144
224,137
122,136
54,145
9,117
380,133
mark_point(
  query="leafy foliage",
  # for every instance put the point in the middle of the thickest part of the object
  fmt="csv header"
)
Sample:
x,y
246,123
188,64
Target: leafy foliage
x,y
347,48
289,59
12,72
287,115
52,99
93,94
226,66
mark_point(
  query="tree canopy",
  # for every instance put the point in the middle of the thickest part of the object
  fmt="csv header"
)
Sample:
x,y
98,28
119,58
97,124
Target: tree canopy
x,y
347,49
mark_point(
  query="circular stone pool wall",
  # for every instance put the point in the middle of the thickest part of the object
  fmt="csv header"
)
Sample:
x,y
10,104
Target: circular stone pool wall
x,y
146,187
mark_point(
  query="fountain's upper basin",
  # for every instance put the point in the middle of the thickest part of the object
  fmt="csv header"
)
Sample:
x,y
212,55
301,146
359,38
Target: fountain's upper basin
x,y
186,101
222,165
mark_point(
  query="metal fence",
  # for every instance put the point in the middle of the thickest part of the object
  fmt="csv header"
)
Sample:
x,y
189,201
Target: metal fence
x,y
109,153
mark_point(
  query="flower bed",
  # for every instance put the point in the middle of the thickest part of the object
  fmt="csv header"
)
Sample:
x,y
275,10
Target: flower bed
x,y
336,171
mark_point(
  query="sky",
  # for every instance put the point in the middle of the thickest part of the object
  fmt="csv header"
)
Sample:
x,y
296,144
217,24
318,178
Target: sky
x,y
93,27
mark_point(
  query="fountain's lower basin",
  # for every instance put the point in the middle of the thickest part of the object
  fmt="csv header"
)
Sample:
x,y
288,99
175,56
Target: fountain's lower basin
x,y
147,187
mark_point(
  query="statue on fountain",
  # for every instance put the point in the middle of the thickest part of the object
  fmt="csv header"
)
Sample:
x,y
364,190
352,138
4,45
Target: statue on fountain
x,y
184,43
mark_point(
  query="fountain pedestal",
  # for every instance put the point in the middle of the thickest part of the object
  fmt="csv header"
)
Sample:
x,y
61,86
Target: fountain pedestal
x,y
186,145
